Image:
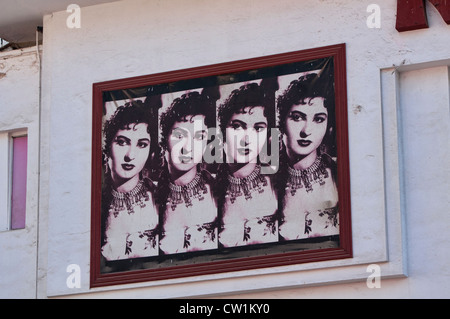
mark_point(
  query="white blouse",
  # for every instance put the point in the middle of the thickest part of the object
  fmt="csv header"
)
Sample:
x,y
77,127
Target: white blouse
x,y
250,221
311,213
193,228
132,235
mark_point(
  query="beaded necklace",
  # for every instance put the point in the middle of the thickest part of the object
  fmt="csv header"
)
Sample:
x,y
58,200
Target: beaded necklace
x,y
246,185
185,193
128,200
297,179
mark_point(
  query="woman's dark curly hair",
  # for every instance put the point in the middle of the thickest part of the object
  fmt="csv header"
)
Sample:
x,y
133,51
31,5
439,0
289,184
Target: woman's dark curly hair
x,y
307,87
126,117
248,95
181,110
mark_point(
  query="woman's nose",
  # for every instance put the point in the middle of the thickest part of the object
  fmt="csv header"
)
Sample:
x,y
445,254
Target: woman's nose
x,y
305,131
129,156
245,140
186,149
303,134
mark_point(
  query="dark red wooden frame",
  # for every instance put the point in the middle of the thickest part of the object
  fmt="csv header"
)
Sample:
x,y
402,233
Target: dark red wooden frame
x,y
338,52
412,15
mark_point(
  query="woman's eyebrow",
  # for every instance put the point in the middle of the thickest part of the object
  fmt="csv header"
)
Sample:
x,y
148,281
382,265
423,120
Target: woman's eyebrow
x,y
177,128
201,131
243,124
299,112
260,124
122,137
305,115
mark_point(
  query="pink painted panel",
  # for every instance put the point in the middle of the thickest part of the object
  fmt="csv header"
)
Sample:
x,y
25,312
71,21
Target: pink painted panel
x,y
19,182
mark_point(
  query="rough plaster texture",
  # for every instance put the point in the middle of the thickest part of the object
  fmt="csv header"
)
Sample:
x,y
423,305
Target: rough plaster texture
x,y
19,110
136,37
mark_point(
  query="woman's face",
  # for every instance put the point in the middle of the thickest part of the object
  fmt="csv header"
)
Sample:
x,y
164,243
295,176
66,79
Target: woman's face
x,y
187,143
246,134
306,125
129,151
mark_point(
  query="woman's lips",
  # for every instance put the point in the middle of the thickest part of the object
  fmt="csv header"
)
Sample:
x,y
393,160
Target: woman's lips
x,y
243,151
127,167
185,159
304,143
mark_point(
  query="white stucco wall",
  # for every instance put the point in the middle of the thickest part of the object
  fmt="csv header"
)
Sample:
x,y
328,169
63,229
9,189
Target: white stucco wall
x,y
19,111
398,88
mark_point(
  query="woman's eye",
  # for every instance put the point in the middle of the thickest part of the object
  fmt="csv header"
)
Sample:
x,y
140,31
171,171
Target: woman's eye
x,y
236,125
178,134
296,116
121,141
200,135
260,128
320,119
142,144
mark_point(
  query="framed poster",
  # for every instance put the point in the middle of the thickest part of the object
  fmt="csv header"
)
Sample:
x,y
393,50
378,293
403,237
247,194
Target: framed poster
x,y
220,168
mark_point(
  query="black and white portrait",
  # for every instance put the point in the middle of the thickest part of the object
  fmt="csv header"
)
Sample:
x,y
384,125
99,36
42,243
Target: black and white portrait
x,y
220,168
